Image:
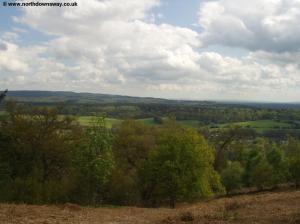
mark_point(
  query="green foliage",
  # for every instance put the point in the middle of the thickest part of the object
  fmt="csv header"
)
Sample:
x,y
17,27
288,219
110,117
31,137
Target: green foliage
x,y
230,145
232,176
46,157
261,175
267,165
95,162
278,161
261,125
36,154
133,143
293,154
180,168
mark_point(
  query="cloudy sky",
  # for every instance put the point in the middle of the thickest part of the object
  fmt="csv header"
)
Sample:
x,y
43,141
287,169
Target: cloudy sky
x,y
181,49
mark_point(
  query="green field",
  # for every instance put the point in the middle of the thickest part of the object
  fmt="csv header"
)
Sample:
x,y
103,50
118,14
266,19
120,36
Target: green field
x,y
263,125
149,121
86,121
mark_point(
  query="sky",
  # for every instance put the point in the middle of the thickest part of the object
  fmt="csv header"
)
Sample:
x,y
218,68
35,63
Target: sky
x,y
236,50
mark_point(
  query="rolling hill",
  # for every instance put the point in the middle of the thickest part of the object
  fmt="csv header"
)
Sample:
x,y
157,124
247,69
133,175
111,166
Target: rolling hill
x,y
51,97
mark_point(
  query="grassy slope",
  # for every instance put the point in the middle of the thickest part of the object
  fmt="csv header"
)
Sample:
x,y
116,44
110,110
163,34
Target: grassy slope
x,y
275,208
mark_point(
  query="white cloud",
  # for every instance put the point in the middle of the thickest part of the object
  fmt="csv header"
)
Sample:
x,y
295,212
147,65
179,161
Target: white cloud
x,y
89,14
12,58
115,41
109,46
271,25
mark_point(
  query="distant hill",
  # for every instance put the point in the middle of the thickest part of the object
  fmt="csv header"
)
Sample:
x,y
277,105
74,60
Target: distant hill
x,y
72,97
86,98
53,97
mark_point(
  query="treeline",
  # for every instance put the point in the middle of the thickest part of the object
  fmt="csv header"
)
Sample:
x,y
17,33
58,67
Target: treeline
x,y
204,113
47,158
243,160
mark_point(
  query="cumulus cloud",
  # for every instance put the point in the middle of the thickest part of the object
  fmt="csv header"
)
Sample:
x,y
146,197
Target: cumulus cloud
x,y
88,15
116,42
11,58
109,46
270,25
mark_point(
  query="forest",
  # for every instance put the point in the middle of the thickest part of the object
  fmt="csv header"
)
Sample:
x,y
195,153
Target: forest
x,y
47,158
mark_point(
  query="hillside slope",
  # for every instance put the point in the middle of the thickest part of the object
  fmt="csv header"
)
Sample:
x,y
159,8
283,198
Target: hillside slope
x,y
272,207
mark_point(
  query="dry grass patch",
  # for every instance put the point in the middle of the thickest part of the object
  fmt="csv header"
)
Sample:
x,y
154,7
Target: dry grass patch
x,y
275,208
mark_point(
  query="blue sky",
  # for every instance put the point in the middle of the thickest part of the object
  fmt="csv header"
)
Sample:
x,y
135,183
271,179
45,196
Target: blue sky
x,y
31,36
179,12
6,17
196,49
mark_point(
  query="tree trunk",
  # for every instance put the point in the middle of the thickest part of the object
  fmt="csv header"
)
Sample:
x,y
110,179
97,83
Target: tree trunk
x,y
172,202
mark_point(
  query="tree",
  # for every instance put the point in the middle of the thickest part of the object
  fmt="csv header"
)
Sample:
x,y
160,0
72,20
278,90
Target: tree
x,y
254,156
232,176
277,159
180,168
133,143
262,174
266,165
226,140
36,150
293,155
95,162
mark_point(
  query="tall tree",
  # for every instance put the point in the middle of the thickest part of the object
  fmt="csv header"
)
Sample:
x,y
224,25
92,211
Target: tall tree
x,y
133,143
180,168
